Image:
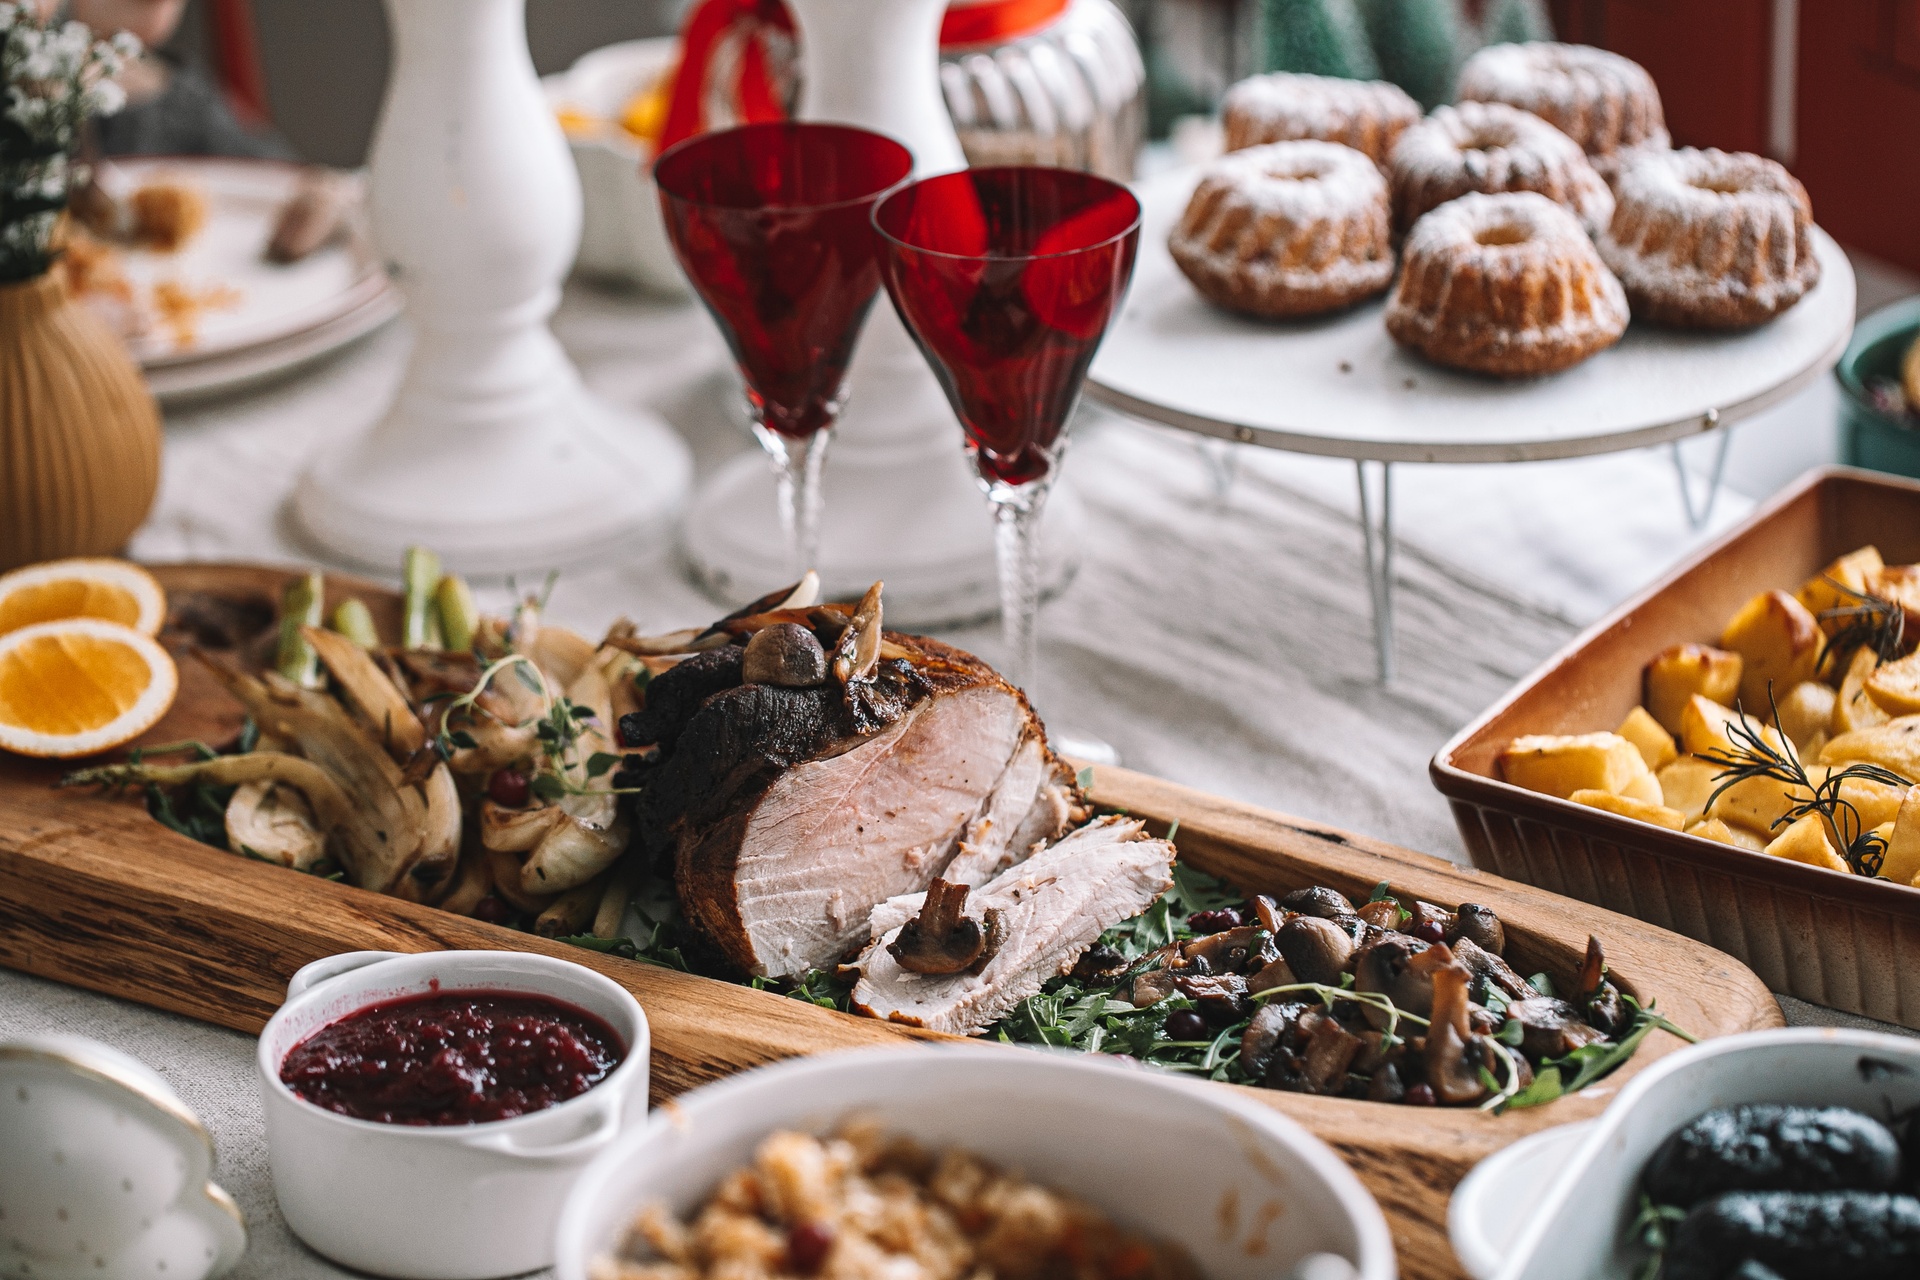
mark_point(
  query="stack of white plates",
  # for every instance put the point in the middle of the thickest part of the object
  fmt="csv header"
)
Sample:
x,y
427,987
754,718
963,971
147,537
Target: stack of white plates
x,y
259,319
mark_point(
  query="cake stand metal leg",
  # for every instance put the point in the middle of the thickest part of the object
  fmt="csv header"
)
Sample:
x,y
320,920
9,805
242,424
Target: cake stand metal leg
x,y
1698,514
1376,530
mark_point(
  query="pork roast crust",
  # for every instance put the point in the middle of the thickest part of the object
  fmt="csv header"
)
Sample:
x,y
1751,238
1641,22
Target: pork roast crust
x,y
724,744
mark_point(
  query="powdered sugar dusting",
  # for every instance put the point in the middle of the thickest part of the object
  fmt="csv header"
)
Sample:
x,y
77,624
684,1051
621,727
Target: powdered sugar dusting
x,y
1367,115
1603,101
1492,147
1711,237
1288,228
1506,284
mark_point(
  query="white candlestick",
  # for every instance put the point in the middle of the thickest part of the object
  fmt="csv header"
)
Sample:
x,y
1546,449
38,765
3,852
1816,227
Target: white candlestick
x,y
492,453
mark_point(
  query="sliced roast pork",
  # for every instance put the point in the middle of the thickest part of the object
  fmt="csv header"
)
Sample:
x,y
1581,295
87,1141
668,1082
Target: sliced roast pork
x,y
1043,914
788,813
1030,802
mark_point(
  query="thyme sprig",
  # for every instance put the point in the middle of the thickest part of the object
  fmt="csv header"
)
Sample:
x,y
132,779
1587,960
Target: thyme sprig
x,y
558,727
1752,756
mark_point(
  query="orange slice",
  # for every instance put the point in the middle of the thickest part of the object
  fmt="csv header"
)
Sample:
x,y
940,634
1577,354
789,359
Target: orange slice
x,y
112,590
80,685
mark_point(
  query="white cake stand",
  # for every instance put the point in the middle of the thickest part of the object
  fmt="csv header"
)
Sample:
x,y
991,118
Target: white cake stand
x,y
1340,387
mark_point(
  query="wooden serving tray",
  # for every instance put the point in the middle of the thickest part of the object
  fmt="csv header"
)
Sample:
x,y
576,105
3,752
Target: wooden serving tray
x,y
95,893
1847,941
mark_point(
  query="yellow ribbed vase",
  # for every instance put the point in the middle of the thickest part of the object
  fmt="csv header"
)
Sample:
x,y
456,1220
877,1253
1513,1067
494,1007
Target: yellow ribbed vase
x,y
79,433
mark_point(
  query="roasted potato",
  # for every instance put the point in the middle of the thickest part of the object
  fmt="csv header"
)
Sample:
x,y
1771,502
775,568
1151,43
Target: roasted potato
x,y
1627,807
1687,783
1902,862
1643,787
1779,646
1703,728
1900,584
1676,674
1894,745
1806,710
1896,686
1761,804
1840,584
1655,743
1877,803
1561,764
1721,833
1807,841
1852,707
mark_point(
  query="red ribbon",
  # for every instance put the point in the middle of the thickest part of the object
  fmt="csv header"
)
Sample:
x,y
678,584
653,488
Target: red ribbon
x,y
998,20
709,21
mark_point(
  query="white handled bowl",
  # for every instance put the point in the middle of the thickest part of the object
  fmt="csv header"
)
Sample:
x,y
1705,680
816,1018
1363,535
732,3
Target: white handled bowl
x,y
103,1170
1245,1190
622,234
1580,1229
448,1202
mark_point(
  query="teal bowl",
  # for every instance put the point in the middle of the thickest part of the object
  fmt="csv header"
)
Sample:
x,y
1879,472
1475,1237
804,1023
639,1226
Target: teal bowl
x,y
1869,438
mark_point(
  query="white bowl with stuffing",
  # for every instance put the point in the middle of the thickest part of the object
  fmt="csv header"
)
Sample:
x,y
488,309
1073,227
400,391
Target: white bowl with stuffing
x,y
801,1168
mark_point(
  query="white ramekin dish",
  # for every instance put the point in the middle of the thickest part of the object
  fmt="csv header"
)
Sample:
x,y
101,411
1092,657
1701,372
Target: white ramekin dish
x,y
1579,1231
452,1202
1244,1189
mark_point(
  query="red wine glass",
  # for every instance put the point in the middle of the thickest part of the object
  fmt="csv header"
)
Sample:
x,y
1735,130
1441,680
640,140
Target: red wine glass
x,y
1007,279
773,225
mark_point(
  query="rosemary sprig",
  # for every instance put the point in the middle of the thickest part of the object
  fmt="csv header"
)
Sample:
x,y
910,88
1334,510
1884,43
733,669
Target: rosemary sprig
x,y
1752,756
1874,621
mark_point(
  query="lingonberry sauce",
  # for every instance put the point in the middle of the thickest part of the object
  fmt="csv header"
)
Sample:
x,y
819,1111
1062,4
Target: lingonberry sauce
x,y
453,1058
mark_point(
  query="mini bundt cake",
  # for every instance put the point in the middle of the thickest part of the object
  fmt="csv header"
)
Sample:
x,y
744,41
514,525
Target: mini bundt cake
x,y
1367,115
1491,147
1504,284
1710,239
1606,103
1287,229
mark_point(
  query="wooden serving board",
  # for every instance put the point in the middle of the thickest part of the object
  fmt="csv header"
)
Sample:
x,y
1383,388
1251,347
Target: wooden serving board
x,y
95,893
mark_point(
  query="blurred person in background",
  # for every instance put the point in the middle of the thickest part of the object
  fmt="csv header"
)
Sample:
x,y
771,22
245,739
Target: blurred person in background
x,y
172,108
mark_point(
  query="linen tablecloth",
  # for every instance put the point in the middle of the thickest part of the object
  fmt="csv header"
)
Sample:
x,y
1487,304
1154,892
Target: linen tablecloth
x,y
1223,643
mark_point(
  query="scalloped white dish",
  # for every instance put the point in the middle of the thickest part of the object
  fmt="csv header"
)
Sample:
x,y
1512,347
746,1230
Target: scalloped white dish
x,y
104,1171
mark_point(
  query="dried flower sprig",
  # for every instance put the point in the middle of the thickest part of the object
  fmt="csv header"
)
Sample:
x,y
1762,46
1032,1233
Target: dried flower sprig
x,y
54,76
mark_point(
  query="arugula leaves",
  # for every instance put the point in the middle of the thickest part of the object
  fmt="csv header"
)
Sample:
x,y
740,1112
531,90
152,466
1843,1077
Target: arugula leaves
x,y
1653,1228
821,987
1091,1017
198,811
1561,1076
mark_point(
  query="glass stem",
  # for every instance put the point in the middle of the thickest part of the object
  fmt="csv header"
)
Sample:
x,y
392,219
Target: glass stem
x,y
796,468
1016,528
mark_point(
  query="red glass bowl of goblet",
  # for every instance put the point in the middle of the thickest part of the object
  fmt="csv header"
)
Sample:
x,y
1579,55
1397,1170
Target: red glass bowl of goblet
x,y
1008,278
772,224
